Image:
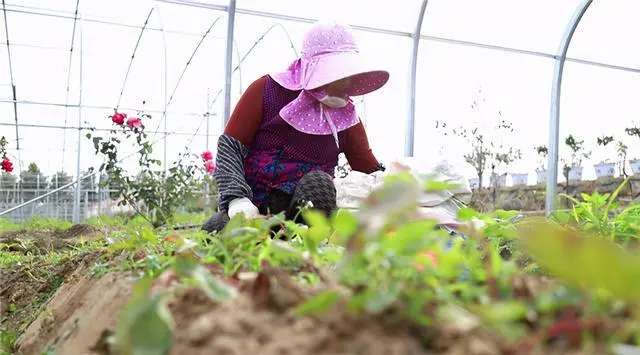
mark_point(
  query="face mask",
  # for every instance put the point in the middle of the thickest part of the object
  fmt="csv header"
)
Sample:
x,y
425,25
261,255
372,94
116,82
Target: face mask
x,y
331,101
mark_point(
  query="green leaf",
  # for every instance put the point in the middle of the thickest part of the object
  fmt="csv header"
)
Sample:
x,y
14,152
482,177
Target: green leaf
x,y
184,264
382,299
280,251
585,261
505,312
410,238
315,219
144,326
151,332
467,214
319,229
344,223
214,288
436,185
318,303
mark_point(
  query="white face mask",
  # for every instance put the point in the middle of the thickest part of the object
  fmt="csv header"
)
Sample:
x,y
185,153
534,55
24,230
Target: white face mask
x,y
334,101
331,101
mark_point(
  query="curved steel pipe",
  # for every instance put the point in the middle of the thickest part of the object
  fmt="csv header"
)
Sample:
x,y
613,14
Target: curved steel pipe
x,y
554,120
411,119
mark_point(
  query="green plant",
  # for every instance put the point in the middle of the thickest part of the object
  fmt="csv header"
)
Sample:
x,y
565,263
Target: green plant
x,y
542,151
600,214
578,152
622,150
604,141
153,195
632,131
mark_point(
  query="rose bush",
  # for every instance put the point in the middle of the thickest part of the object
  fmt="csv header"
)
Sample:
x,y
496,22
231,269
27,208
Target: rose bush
x,y
153,195
6,164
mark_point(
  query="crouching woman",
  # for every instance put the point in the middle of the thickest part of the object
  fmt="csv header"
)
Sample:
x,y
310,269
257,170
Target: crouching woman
x,y
281,144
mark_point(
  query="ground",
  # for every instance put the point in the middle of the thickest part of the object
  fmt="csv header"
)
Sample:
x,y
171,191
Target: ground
x,y
109,285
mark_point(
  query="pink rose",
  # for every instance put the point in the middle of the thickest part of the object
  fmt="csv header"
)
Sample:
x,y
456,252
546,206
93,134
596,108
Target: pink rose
x,y
206,156
210,166
134,122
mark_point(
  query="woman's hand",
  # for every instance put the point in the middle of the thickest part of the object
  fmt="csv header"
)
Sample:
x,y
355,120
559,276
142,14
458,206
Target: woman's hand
x,y
243,205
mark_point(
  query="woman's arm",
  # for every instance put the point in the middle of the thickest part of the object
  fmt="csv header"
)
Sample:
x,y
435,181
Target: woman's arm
x,y
358,152
233,146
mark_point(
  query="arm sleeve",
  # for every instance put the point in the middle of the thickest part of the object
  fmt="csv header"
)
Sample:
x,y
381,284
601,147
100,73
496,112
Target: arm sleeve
x,y
358,153
233,146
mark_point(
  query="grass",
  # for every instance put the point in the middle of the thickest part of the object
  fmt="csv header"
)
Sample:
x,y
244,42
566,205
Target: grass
x,y
567,281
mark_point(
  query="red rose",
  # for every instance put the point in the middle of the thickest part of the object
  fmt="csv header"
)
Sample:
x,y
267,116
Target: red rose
x,y
134,122
6,165
118,118
206,156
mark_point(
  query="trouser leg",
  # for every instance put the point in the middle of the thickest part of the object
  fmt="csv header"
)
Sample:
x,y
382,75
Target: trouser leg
x,y
316,187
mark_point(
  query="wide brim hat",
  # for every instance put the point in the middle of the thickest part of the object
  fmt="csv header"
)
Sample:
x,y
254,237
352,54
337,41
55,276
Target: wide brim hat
x,y
329,53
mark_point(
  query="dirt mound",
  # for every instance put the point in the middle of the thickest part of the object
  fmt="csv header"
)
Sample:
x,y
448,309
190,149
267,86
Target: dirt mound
x,y
261,320
24,288
45,241
77,231
77,314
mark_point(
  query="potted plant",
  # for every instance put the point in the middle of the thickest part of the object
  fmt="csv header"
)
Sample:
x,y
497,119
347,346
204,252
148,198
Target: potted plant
x,y
498,180
605,168
573,167
541,170
474,183
635,163
622,150
520,179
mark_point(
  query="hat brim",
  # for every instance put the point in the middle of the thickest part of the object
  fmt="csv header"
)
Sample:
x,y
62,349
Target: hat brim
x,y
338,66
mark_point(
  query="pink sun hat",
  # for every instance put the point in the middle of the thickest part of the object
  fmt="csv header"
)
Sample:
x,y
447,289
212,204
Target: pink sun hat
x,y
329,53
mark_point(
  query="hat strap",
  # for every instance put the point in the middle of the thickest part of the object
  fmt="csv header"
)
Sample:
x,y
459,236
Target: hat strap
x,y
332,126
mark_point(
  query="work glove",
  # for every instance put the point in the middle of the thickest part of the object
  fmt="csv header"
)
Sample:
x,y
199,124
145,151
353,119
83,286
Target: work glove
x,y
243,205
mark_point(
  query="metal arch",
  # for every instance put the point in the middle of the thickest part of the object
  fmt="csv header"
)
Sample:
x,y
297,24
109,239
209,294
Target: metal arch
x,y
411,119
554,119
184,70
228,61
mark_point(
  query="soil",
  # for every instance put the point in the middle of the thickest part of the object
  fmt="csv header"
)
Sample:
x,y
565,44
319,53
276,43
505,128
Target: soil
x,y
76,316
22,292
46,241
85,309
261,320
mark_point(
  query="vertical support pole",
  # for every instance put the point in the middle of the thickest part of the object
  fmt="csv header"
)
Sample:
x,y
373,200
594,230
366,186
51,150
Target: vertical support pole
x,y
76,203
554,120
228,61
15,116
207,188
411,119
19,160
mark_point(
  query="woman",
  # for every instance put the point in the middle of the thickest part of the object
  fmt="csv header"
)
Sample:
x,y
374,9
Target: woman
x,y
281,144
